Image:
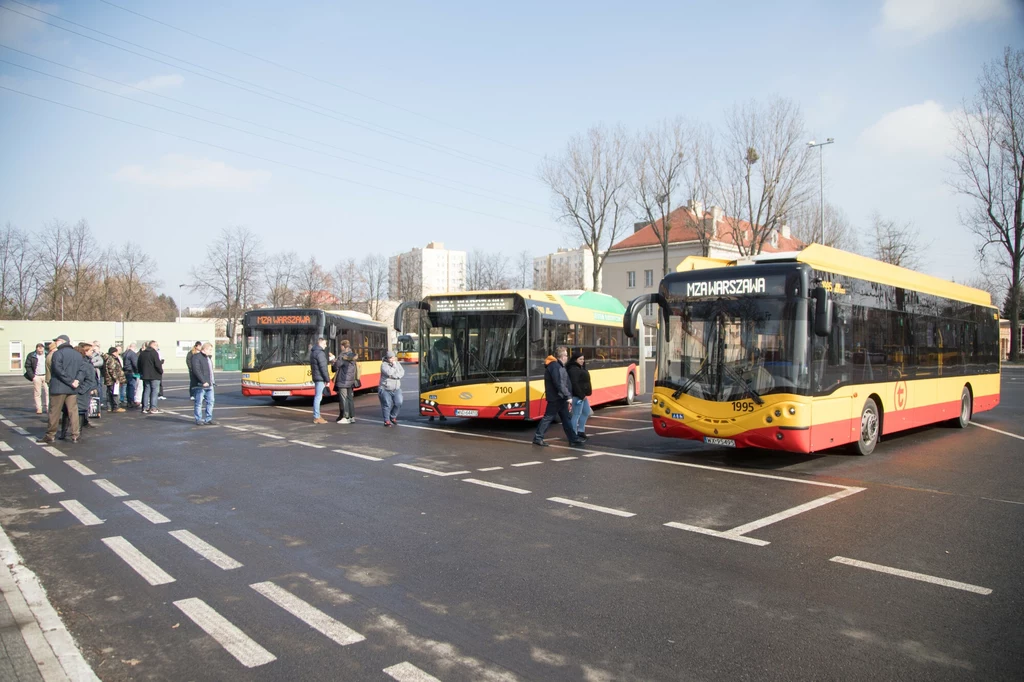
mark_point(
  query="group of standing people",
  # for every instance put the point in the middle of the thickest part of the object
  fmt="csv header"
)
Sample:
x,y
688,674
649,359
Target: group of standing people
x,y
347,379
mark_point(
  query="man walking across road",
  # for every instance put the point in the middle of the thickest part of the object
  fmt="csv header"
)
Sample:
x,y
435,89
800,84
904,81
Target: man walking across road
x,y
201,383
558,393
131,376
65,366
152,372
35,371
321,375
390,389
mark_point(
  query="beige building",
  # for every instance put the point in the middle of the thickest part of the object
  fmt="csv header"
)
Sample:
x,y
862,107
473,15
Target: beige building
x,y
1004,339
430,270
18,338
565,269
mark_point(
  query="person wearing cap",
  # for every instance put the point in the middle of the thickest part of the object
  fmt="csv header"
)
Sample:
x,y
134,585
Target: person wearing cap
x,y
65,378
113,376
35,371
390,389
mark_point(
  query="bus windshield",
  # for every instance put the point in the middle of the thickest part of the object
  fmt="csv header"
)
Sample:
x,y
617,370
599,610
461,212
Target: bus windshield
x,y
408,344
728,350
460,348
267,347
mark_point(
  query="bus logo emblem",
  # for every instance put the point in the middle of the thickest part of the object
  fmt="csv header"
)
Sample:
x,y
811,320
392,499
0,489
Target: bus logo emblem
x,y
900,395
466,396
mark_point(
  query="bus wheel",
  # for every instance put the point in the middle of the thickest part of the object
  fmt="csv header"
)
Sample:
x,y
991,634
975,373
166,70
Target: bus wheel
x,y
868,428
964,420
630,390
279,399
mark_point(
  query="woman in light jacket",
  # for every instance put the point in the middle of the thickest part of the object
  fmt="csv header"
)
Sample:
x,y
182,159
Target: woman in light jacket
x,y
390,389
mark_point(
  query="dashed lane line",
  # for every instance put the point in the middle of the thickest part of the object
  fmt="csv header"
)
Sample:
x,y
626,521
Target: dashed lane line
x,y
21,462
357,454
46,483
1005,433
139,562
611,433
563,459
205,550
109,487
8,422
235,642
307,444
490,469
78,510
620,419
407,672
79,467
792,511
497,486
310,615
4,447
956,585
432,472
21,431
592,507
146,512
716,534
269,435
235,428
53,451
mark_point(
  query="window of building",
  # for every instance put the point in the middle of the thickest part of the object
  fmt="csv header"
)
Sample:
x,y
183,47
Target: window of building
x,y
631,279
16,355
648,278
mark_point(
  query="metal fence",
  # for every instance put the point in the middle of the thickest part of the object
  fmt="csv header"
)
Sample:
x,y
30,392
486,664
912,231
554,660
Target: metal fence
x,y
228,357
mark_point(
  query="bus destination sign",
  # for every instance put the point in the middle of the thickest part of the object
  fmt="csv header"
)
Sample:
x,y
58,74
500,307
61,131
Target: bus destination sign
x,y
738,286
472,304
283,319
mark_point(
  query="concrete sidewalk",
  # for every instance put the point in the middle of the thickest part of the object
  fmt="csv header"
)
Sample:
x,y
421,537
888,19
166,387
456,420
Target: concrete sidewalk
x,y
34,644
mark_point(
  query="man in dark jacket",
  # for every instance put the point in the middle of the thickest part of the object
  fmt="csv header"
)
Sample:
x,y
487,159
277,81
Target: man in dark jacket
x,y
66,369
201,383
558,393
321,375
131,369
195,350
345,374
152,372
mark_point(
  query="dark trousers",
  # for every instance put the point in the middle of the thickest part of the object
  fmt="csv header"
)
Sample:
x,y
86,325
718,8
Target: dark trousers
x,y
112,397
559,408
344,402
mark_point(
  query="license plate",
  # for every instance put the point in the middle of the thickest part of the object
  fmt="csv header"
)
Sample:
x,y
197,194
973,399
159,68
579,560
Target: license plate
x,y
466,413
280,393
724,442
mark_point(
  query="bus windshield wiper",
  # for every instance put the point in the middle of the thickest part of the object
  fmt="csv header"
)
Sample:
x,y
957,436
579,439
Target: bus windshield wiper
x,y
692,380
264,359
738,378
484,367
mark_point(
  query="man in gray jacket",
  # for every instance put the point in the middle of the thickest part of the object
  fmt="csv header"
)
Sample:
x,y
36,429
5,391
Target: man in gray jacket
x,y
390,389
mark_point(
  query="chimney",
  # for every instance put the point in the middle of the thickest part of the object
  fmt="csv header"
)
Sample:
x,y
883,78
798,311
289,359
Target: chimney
x,y
697,207
716,217
786,234
639,226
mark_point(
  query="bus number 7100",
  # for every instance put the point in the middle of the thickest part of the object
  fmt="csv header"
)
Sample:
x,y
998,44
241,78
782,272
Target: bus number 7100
x,y
502,389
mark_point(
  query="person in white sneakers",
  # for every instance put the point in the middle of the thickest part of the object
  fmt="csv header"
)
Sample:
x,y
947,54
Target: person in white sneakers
x,y
35,371
346,379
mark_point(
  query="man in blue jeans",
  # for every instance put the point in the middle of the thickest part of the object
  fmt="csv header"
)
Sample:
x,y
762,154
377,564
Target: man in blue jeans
x,y
318,368
202,383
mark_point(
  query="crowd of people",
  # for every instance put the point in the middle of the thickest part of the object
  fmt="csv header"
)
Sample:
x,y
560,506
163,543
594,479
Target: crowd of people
x,y
347,379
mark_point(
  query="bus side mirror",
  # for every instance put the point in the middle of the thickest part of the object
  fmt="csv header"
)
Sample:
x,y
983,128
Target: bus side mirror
x,y
633,310
400,313
536,322
822,312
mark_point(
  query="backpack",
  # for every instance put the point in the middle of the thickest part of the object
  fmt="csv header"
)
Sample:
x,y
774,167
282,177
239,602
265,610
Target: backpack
x,y
358,383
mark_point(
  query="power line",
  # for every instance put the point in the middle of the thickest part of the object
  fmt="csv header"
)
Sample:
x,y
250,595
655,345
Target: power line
x,y
275,96
284,164
317,78
247,132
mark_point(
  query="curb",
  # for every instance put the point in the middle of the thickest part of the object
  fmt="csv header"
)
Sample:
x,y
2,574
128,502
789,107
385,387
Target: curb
x,y
51,645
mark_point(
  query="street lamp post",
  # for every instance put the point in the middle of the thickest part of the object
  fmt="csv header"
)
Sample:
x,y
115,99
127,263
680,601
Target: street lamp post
x,y
821,188
179,300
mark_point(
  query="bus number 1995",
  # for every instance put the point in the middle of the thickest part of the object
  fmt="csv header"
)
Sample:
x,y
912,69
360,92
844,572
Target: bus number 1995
x,y
742,406
502,389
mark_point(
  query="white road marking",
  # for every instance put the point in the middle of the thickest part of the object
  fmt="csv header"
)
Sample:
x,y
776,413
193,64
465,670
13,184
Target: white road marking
x,y
407,672
79,467
143,565
498,486
1005,433
490,468
8,422
4,447
592,507
609,433
270,435
79,511
563,459
356,454
307,444
716,534
620,419
792,511
526,464
606,428
21,462
19,430
205,550
235,428
53,451
432,472
235,642
146,512
109,487
46,484
308,614
956,585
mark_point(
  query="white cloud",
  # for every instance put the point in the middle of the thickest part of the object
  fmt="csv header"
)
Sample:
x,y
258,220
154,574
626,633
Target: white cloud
x,y
18,28
176,171
919,19
154,83
920,130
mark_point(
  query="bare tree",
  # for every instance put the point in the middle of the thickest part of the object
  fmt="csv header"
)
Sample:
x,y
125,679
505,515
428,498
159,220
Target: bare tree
x,y
279,276
373,273
896,243
589,184
229,277
347,286
523,269
53,267
133,269
658,165
82,274
989,159
408,284
839,231
702,169
487,271
313,282
767,170
19,278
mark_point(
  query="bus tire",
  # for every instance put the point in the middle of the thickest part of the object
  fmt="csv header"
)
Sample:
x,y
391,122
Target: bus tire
x,y
869,428
279,399
631,390
963,420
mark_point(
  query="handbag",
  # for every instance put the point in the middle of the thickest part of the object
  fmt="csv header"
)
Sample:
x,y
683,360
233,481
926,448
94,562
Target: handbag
x,y
358,383
94,406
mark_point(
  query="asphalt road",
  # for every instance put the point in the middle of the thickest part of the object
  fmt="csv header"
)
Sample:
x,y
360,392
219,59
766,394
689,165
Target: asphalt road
x,y
464,553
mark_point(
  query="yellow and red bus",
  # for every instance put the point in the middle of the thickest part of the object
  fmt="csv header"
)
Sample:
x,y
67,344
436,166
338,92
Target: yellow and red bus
x,y
811,350
408,348
275,359
482,353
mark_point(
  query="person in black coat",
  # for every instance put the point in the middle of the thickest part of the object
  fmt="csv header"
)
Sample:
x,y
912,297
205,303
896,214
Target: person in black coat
x,y
579,380
558,392
65,377
131,371
152,371
321,376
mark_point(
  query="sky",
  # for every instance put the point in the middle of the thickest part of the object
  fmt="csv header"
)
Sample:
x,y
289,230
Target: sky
x,y
410,122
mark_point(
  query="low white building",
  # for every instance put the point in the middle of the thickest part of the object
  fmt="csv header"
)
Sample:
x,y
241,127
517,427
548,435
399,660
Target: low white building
x,y
424,271
565,269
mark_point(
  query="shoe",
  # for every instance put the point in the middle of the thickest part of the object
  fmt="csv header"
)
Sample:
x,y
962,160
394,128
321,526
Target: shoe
x,y
319,420
348,420
145,412
199,423
74,439
118,409
161,398
46,441
387,424
192,398
582,437
154,411
540,444
39,411
210,423
577,444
